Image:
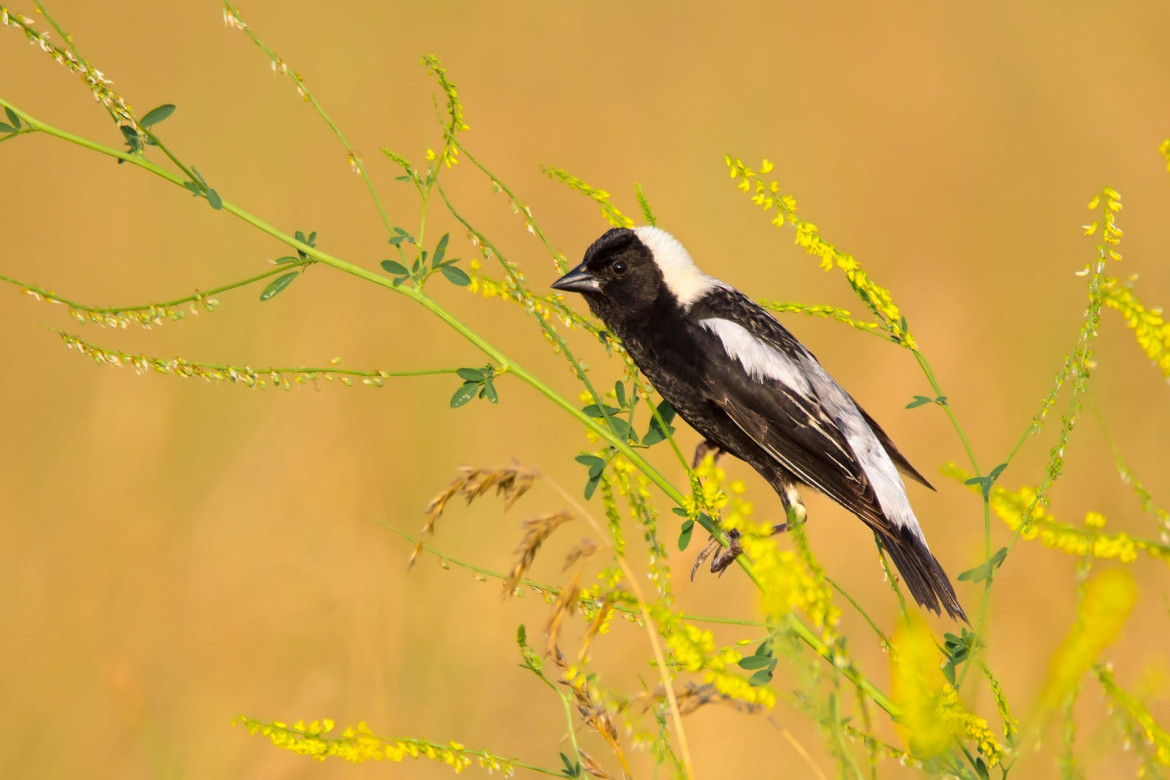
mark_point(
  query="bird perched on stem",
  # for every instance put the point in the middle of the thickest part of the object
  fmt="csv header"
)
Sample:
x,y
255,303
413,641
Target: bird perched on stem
x,y
751,389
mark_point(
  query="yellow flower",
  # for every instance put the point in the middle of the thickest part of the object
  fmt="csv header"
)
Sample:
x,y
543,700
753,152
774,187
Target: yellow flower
x,y
1148,325
1107,601
1020,509
932,716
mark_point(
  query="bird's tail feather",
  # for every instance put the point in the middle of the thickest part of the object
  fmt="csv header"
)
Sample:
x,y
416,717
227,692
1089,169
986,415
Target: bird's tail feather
x,y
922,573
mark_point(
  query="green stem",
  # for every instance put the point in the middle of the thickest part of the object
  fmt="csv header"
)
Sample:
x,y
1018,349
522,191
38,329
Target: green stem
x,y
51,296
247,370
64,35
556,591
354,157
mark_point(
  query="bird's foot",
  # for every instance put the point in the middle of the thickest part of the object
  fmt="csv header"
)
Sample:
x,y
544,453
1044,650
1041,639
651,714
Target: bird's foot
x,y
725,555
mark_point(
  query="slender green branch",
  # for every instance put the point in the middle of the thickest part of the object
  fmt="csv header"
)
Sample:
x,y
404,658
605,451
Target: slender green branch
x,y
152,309
558,257
253,377
280,66
64,35
553,590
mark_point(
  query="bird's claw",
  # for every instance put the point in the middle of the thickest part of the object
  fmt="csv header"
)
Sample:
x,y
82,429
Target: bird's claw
x,y
723,558
726,555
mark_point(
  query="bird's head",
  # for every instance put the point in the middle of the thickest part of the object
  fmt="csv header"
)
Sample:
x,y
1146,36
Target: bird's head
x,y
627,273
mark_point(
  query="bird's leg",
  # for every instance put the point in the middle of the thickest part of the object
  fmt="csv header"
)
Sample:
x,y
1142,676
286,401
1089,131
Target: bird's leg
x,y
793,507
702,449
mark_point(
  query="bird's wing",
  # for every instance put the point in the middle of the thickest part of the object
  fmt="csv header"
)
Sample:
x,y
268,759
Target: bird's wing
x,y
774,390
799,436
899,459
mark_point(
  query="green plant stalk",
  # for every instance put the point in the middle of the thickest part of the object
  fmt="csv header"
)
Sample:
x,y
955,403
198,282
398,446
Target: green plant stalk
x,y
223,367
985,600
553,590
52,296
355,158
804,632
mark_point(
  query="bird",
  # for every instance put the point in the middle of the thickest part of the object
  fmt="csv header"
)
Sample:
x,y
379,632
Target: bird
x,y
750,389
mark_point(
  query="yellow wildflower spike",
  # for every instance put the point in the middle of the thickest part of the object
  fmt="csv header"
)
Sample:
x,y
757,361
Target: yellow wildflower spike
x,y
1108,599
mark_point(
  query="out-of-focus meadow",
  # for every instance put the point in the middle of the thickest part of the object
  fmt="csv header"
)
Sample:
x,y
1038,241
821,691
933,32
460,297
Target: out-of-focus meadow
x,y
177,552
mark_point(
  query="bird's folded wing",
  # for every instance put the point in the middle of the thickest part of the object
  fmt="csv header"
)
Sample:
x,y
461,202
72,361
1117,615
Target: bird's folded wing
x,y
800,436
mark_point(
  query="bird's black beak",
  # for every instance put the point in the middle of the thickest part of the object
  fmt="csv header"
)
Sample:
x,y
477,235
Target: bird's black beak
x,y
578,280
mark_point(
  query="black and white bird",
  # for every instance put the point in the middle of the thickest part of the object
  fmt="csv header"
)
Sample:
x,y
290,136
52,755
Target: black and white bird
x,y
740,379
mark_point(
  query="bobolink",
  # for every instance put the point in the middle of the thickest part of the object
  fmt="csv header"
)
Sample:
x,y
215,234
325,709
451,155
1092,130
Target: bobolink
x,y
750,388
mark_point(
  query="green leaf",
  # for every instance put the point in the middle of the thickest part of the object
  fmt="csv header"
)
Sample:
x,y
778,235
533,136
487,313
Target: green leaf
x,y
312,241
156,115
440,250
622,428
981,769
948,671
194,170
762,677
596,468
705,520
619,391
394,268
591,486
656,432
919,400
571,769
978,574
596,411
282,260
278,285
489,390
684,537
984,570
456,275
464,394
133,142
214,199
6,128
469,374
12,117
984,484
755,662
401,178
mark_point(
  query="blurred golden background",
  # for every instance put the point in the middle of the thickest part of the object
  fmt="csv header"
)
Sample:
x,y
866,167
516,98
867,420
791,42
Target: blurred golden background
x,y
176,553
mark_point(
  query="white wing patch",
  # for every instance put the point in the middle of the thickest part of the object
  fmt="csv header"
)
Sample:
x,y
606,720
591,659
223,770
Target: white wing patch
x,y
871,455
679,271
758,358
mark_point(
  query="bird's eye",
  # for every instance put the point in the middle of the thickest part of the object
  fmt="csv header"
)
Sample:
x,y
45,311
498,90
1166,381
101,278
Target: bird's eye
x,y
619,267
